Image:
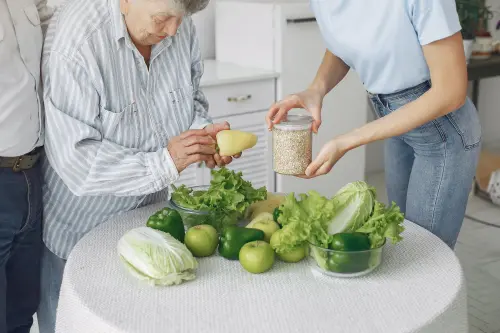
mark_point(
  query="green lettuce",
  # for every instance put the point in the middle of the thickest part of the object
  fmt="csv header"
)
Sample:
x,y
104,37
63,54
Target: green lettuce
x,y
313,218
303,220
384,223
225,200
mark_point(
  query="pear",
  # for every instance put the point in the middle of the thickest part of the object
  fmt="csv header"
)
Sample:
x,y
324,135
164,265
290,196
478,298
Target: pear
x,y
232,142
268,205
264,216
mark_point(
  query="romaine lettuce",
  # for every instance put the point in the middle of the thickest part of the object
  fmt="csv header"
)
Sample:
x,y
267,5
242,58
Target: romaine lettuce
x,y
353,205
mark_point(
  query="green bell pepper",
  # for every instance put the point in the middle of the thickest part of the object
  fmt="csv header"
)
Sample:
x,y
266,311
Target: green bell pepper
x,y
356,256
348,263
168,220
355,241
233,238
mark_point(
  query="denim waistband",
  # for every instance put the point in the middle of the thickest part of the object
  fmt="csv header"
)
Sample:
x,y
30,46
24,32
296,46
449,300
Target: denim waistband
x,y
405,93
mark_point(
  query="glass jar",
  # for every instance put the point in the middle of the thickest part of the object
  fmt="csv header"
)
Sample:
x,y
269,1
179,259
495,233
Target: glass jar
x,y
292,145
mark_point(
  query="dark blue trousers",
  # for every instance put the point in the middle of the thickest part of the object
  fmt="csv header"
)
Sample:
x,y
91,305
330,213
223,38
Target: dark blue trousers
x,y
20,247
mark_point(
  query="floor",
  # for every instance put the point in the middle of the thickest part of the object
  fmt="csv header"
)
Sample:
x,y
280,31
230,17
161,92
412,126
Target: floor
x,y
478,249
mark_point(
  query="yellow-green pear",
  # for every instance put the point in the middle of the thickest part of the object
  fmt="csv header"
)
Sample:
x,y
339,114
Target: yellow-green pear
x,y
232,142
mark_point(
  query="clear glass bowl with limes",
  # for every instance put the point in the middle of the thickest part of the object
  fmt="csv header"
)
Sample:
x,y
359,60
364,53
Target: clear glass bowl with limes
x,y
345,263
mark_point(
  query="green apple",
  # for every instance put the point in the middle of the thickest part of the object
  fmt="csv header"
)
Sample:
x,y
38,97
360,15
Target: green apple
x,y
295,255
256,257
268,226
201,240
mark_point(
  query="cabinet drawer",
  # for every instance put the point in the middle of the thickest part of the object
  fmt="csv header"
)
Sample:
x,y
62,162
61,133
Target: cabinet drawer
x,y
232,99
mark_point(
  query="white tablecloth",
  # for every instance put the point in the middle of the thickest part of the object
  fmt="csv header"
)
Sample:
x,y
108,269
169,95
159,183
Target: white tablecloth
x,y
418,288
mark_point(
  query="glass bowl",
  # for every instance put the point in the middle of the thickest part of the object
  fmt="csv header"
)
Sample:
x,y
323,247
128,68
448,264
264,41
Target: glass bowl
x,y
193,217
344,263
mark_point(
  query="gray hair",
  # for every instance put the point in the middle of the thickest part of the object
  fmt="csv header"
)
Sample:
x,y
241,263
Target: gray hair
x,y
192,6
187,6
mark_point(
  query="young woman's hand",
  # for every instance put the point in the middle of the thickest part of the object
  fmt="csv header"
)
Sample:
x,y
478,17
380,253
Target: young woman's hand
x,y
310,100
329,154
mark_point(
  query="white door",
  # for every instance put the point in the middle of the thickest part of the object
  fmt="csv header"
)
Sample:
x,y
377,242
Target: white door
x,y
343,109
255,163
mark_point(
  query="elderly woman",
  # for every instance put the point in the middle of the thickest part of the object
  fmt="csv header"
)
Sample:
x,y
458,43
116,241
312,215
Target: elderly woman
x,y
124,117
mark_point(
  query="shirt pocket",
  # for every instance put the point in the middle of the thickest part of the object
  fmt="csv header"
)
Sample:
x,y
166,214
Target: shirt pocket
x,y
127,127
29,38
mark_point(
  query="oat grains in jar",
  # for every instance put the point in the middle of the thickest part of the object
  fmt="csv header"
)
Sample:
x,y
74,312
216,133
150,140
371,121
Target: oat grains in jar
x,y
292,145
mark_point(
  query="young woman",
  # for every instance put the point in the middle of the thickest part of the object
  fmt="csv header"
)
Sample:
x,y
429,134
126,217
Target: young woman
x,y
410,57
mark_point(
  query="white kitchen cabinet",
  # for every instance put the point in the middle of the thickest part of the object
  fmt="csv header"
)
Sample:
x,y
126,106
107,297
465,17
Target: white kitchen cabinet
x,y
284,37
241,96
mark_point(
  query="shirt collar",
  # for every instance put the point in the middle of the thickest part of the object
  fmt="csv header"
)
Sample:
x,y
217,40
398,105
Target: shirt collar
x,y
119,27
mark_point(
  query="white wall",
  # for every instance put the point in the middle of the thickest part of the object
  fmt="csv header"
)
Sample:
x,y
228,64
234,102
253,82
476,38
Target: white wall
x,y
489,92
205,28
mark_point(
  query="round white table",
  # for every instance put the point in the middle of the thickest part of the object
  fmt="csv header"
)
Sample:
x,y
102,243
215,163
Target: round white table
x,y
418,288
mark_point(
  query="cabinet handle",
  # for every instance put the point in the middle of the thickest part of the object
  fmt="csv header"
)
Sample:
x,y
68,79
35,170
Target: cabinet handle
x,y
301,20
239,98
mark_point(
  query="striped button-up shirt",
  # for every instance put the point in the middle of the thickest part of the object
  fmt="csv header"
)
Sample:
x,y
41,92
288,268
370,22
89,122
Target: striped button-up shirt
x,y
109,117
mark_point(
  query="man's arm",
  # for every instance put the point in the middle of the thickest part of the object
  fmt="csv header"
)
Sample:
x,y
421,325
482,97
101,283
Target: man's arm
x,y
87,162
45,12
200,102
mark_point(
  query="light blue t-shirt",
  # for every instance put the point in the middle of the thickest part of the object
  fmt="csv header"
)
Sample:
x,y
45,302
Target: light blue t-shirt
x,y
382,39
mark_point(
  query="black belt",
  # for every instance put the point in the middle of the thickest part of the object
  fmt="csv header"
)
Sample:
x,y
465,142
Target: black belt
x,y
19,163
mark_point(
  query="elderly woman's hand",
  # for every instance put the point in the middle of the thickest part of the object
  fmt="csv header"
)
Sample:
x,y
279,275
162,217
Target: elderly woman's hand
x,y
218,160
191,147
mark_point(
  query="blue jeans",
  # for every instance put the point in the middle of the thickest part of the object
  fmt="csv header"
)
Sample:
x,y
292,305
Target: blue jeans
x,y
20,247
52,274
430,170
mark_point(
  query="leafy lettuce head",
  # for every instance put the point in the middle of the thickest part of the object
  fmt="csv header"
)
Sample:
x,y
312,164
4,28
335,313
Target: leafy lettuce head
x,y
156,257
353,205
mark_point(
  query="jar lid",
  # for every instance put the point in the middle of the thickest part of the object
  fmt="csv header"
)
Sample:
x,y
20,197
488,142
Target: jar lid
x,y
295,122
